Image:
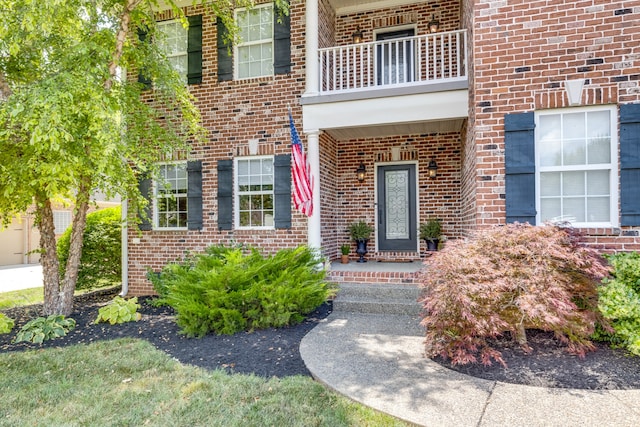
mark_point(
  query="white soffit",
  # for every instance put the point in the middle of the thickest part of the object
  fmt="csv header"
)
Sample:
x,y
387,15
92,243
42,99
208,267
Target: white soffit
x,y
387,111
345,7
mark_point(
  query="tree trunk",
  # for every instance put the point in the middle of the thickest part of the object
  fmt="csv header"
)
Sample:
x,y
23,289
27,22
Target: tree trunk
x,y
49,255
521,335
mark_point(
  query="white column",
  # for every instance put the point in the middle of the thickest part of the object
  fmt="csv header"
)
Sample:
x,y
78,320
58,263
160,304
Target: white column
x,y
311,48
314,235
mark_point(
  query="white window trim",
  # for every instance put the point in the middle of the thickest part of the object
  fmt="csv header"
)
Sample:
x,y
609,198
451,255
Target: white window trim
x,y
614,175
154,185
185,53
243,44
236,191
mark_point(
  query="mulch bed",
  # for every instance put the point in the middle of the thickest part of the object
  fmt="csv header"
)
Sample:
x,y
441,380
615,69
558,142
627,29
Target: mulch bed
x,y
549,365
267,353
275,352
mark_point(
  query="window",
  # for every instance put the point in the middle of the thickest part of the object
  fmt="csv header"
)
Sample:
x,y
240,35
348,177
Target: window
x,y
61,221
576,166
255,52
174,44
254,192
171,197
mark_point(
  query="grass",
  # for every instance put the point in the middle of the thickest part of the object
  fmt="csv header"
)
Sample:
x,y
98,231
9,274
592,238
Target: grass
x,y
34,296
129,382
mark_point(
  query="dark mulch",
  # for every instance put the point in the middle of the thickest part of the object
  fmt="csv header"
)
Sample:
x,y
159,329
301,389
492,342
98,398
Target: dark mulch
x,y
267,353
549,365
275,352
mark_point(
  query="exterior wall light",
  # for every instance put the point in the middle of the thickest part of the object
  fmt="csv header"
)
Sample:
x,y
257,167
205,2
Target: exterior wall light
x,y
434,24
360,172
357,35
432,169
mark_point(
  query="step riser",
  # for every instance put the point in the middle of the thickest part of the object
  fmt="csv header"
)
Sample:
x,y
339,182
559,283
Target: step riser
x,y
368,307
377,299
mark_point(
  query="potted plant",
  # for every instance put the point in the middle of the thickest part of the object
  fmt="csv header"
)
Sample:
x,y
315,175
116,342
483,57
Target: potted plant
x,y
360,232
345,249
431,232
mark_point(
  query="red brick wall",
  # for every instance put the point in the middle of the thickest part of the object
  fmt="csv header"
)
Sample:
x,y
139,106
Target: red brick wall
x,y
523,51
232,112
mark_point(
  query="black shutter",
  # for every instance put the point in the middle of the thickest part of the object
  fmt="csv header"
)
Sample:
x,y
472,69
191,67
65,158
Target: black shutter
x,y
144,185
281,43
143,78
282,190
194,195
194,50
225,60
520,167
225,194
630,164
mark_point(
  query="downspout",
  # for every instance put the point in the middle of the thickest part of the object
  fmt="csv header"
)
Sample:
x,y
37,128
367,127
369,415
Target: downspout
x,y
124,262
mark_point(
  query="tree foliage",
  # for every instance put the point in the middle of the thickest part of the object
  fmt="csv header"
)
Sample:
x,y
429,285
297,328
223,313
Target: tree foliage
x,y
71,123
508,279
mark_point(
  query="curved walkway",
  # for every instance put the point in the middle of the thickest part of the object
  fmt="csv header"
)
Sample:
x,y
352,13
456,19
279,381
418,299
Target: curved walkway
x,y
378,360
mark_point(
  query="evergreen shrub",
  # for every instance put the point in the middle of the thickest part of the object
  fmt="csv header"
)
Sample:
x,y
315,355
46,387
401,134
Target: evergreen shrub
x,y
100,263
508,279
620,301
231,289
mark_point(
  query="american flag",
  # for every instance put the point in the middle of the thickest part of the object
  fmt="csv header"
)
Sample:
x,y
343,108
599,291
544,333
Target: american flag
x,y
302,180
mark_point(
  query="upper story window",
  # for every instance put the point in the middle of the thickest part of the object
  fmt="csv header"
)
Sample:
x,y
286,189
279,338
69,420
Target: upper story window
x,y
576,166
174,43
170,189
61,221
254,192
255,52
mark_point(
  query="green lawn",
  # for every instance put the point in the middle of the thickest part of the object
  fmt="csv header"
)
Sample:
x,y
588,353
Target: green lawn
x,y
128,382
21,297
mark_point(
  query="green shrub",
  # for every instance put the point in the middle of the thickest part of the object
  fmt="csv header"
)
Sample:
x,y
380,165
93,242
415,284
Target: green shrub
x,y
620,301
508,279
100,264
42,329
6,324
119,310
228,289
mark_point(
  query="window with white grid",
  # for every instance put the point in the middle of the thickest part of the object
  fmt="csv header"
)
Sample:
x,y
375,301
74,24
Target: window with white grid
x,y
255,51
576,161
61,221
171,196
254,192
173,42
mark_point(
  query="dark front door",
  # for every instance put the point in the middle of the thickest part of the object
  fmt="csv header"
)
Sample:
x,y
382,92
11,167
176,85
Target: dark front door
x,y
396,229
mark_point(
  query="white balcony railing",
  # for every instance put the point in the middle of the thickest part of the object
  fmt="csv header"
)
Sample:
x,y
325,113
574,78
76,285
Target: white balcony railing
x,y
410,61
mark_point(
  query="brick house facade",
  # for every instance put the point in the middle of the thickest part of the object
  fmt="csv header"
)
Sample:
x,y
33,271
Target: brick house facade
x,y
480,97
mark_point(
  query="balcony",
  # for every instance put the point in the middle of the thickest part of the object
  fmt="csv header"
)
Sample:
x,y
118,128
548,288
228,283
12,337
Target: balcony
x,y
397,64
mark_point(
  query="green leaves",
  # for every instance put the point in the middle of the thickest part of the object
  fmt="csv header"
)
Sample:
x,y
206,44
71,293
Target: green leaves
x,y
119,310
6,324
42,329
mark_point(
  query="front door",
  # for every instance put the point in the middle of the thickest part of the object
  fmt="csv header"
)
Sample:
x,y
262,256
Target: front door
x,y
396,229
395,58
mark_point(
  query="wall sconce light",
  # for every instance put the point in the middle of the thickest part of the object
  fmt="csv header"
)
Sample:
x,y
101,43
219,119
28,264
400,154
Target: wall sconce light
x,y
434,24
360,172
432,169
357,35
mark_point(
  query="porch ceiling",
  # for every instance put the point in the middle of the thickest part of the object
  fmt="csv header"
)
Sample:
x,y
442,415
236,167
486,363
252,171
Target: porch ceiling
x,y
442,126
343,7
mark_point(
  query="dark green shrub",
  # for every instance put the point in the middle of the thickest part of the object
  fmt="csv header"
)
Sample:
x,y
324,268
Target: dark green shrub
x,y
620,301
100,264
509,279
228,289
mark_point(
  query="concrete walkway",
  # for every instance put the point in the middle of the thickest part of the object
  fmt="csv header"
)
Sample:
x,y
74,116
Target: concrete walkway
x,y
16,277
378,360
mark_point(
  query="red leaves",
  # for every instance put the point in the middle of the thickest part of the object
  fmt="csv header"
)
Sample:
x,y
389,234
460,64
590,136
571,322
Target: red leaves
x,y
505,278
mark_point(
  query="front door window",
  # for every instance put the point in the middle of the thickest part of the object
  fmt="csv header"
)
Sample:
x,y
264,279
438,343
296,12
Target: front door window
x,y
397,208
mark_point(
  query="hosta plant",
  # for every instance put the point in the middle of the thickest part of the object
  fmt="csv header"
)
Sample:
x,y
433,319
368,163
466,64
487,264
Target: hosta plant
x,y
509,279
6,324
119,310
42,329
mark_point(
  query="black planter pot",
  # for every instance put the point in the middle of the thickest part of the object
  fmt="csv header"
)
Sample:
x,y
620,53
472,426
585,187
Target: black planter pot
x,y
432,244
361,249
